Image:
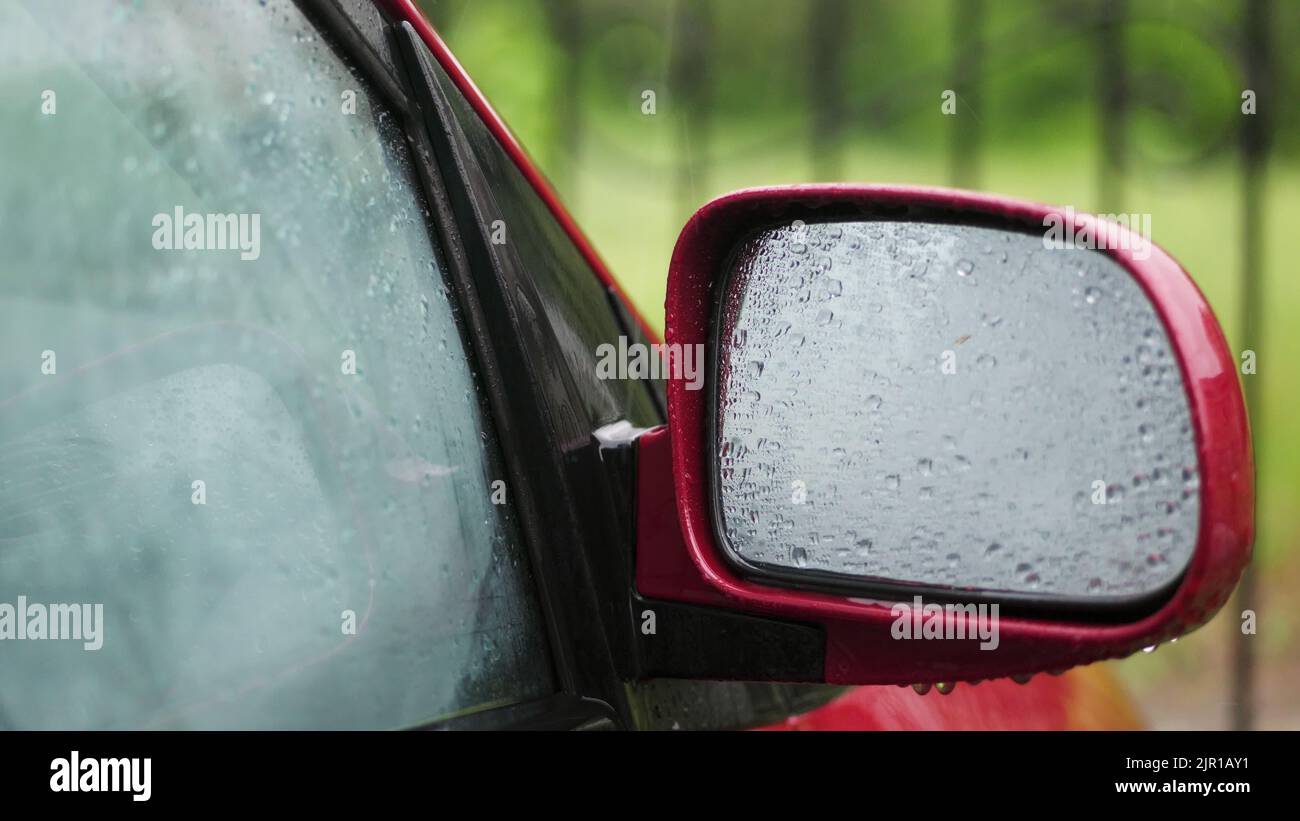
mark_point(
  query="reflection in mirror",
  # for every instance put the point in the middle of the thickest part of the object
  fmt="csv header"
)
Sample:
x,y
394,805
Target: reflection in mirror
x,y
950,406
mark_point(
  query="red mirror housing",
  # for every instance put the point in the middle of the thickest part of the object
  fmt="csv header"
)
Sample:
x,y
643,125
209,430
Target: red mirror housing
x,y
678,557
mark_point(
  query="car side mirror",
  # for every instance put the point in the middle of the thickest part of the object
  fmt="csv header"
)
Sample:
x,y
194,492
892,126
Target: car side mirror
x,y
932,414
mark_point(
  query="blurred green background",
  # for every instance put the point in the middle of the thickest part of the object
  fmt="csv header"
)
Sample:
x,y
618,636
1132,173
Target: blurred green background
x,y
1105,105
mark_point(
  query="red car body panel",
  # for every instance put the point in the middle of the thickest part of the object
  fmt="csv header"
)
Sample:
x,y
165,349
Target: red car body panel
x,y
1085,698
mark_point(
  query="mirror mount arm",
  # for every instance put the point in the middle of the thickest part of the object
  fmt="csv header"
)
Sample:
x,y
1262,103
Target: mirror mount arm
x,y
683,627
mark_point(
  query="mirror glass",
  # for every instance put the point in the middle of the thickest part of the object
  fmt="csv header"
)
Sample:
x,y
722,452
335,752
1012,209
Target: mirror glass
x,y
949,406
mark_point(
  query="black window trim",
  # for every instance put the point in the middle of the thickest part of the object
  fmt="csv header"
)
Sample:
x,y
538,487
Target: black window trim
x,y
544,504
573,705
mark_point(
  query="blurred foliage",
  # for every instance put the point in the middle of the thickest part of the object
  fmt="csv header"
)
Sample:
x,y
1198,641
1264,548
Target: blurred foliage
x,y
754,92
893,57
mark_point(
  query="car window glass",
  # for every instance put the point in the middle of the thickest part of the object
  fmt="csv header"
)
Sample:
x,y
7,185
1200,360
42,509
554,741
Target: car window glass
x,y
266,461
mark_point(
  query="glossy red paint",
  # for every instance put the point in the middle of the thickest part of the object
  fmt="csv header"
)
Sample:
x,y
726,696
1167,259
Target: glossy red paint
x,y
996,705
407,11
685,563
1087,698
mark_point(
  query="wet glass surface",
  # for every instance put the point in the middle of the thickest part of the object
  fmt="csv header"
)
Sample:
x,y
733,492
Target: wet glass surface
x,y
955,406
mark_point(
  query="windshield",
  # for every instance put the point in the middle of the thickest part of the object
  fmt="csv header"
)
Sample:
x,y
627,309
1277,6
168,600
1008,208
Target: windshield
x,y
241,446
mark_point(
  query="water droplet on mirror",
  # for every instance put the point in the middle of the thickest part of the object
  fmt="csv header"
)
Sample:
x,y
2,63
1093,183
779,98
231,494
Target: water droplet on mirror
x,y
965,267
1091,295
